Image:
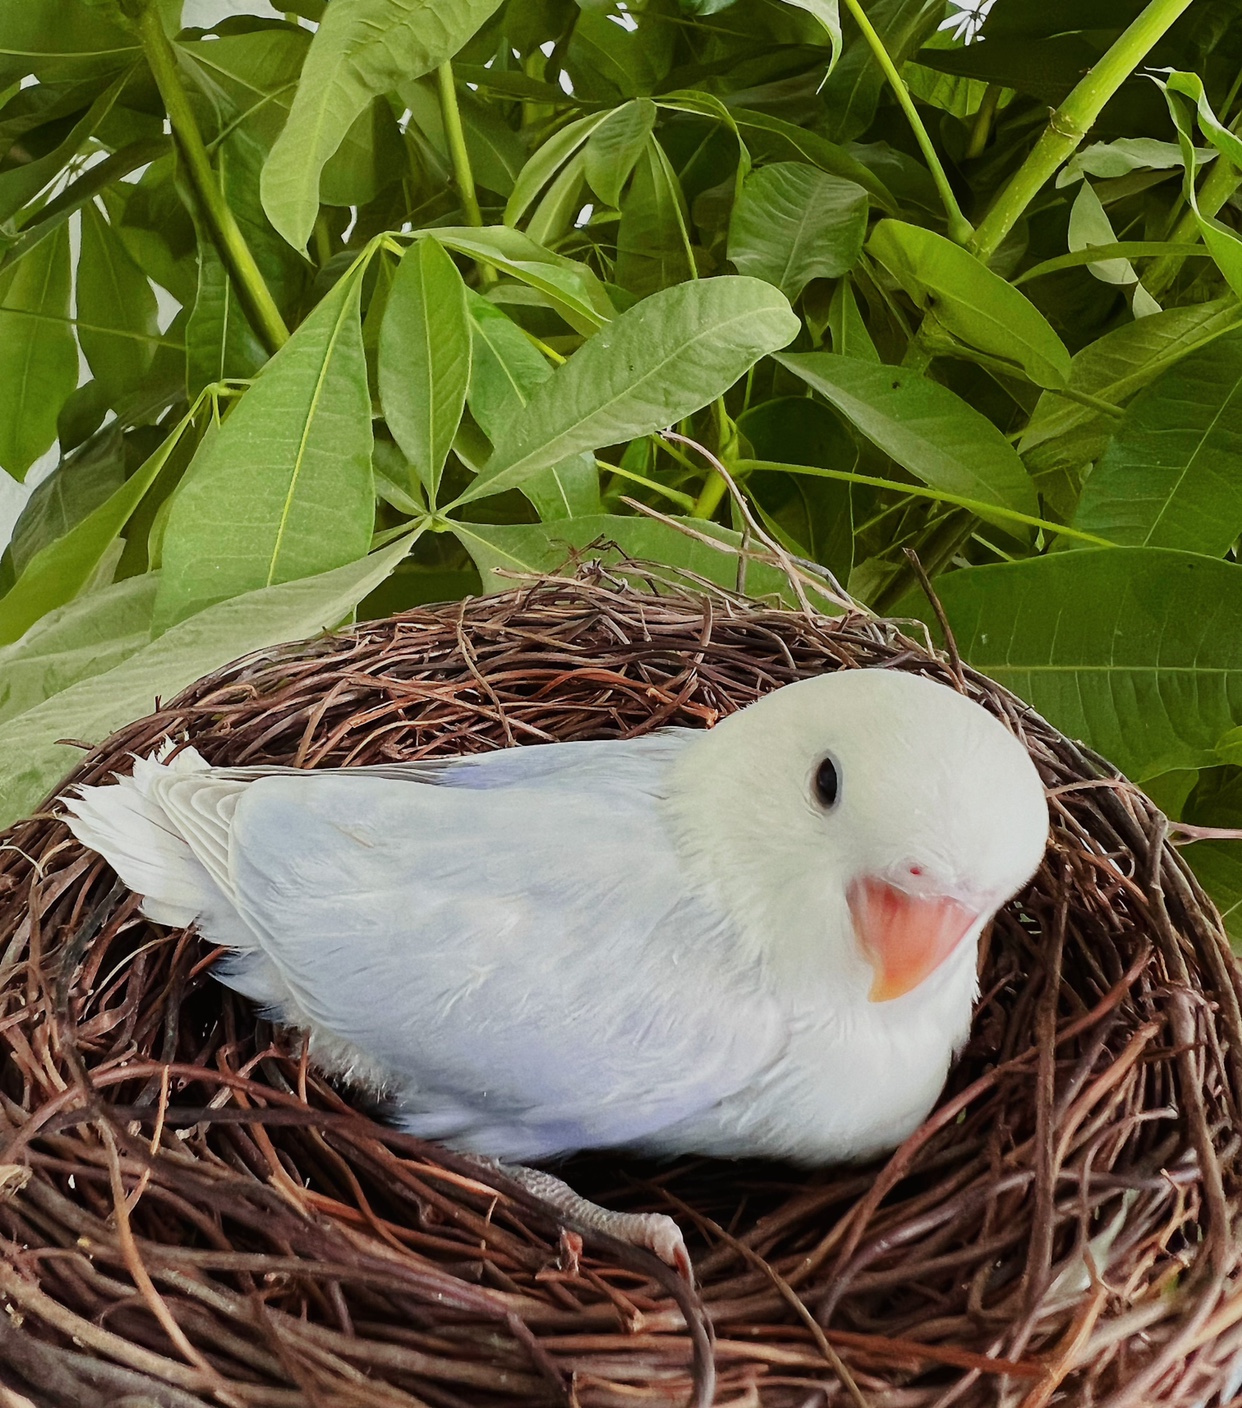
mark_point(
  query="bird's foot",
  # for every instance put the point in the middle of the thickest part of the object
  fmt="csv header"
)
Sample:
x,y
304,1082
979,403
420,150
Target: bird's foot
x,y
654,1231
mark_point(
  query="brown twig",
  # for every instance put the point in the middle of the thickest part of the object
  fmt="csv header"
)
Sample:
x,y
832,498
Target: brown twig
x,y
305,1251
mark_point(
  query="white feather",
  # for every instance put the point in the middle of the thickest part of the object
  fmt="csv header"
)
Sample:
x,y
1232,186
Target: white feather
x,y
580,944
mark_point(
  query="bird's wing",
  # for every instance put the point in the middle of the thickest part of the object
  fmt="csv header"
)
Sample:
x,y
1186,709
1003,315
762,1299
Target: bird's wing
x,y
517,944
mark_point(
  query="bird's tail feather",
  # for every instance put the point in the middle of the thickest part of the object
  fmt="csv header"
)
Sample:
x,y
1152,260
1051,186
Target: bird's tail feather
x,y
165,831
147,841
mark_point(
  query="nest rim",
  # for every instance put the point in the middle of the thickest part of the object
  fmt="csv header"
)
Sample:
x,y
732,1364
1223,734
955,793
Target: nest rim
x,y
1111,1075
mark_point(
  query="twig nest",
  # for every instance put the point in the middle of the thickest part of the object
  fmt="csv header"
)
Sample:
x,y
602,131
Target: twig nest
x,y
191,1216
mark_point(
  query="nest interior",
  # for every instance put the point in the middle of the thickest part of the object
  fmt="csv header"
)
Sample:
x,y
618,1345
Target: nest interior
x,y
189,1215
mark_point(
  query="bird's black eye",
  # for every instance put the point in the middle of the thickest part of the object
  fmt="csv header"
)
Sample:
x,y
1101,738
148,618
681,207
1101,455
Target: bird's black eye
x,y
827,784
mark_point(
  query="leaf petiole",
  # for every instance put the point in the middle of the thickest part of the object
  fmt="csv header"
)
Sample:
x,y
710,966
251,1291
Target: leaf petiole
x,y
921,491
673,495
960,229
225,232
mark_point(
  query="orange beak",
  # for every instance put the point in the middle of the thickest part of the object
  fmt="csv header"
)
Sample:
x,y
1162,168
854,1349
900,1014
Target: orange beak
x,y
904,937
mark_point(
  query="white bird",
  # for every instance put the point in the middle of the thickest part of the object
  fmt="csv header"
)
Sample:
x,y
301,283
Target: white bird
x,y
755,940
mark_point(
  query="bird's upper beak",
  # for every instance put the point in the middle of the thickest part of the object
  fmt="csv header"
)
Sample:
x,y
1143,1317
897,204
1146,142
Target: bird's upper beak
x,y
905,937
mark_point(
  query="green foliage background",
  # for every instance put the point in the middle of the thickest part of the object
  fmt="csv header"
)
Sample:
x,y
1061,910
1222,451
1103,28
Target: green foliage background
x,y
444,269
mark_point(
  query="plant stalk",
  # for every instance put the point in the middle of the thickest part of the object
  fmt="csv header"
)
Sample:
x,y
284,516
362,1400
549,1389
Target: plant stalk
x,y
455,135
922,491
984,118
960,229
1220,183
251,286
463,173
1071,122
715,487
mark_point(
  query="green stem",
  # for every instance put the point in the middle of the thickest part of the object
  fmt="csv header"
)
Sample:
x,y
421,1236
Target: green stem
x,y
710,496
1072,121
918,355
463,174
252,288
455,136
715,487
960,229
323,239
982,129
918,491
1085,398
1220,183
683,501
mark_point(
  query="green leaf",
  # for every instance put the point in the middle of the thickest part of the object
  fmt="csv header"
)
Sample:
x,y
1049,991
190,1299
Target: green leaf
x,y
361,49
569,489
970,301
653,241
505,367
251,80
497,153
847,326
60,39
118,325
75,488
793,223
505,370
38,356
31,759
94,181
553,217
607,61
220,339
1064,436
152,219
58,572
424,359
828,13
1224,244
1089,225
774,139
22,183
659,361
1170,477
1047,70
1190,85
220,342
370,156
1138,651
922,425
536,548
284,490
569,287
851,92
74,642
814,513
615,145
1217,801
546,160
1112,159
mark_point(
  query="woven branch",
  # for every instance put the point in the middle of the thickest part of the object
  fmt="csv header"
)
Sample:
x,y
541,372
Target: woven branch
x,y
190,1216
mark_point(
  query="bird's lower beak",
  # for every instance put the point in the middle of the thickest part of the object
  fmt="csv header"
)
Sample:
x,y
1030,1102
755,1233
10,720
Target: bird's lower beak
x,y
904,937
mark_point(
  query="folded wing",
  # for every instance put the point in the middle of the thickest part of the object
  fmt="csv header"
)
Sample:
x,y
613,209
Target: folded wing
x,y
509,939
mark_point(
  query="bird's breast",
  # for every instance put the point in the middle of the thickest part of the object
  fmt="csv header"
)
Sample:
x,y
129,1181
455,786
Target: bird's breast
x,y
846,1086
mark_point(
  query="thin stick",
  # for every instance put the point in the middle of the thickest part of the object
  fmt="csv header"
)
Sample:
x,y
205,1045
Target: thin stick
x,y
950,640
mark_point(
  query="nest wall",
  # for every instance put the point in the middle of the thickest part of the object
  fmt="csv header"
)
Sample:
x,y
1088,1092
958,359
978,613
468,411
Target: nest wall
x,y
190,1216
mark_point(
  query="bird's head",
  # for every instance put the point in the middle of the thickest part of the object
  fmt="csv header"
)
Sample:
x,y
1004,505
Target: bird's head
x,y
867,822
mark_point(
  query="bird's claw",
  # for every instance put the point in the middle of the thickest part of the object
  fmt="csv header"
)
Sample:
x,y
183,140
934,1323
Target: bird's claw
x,y
661,1235
653,1231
